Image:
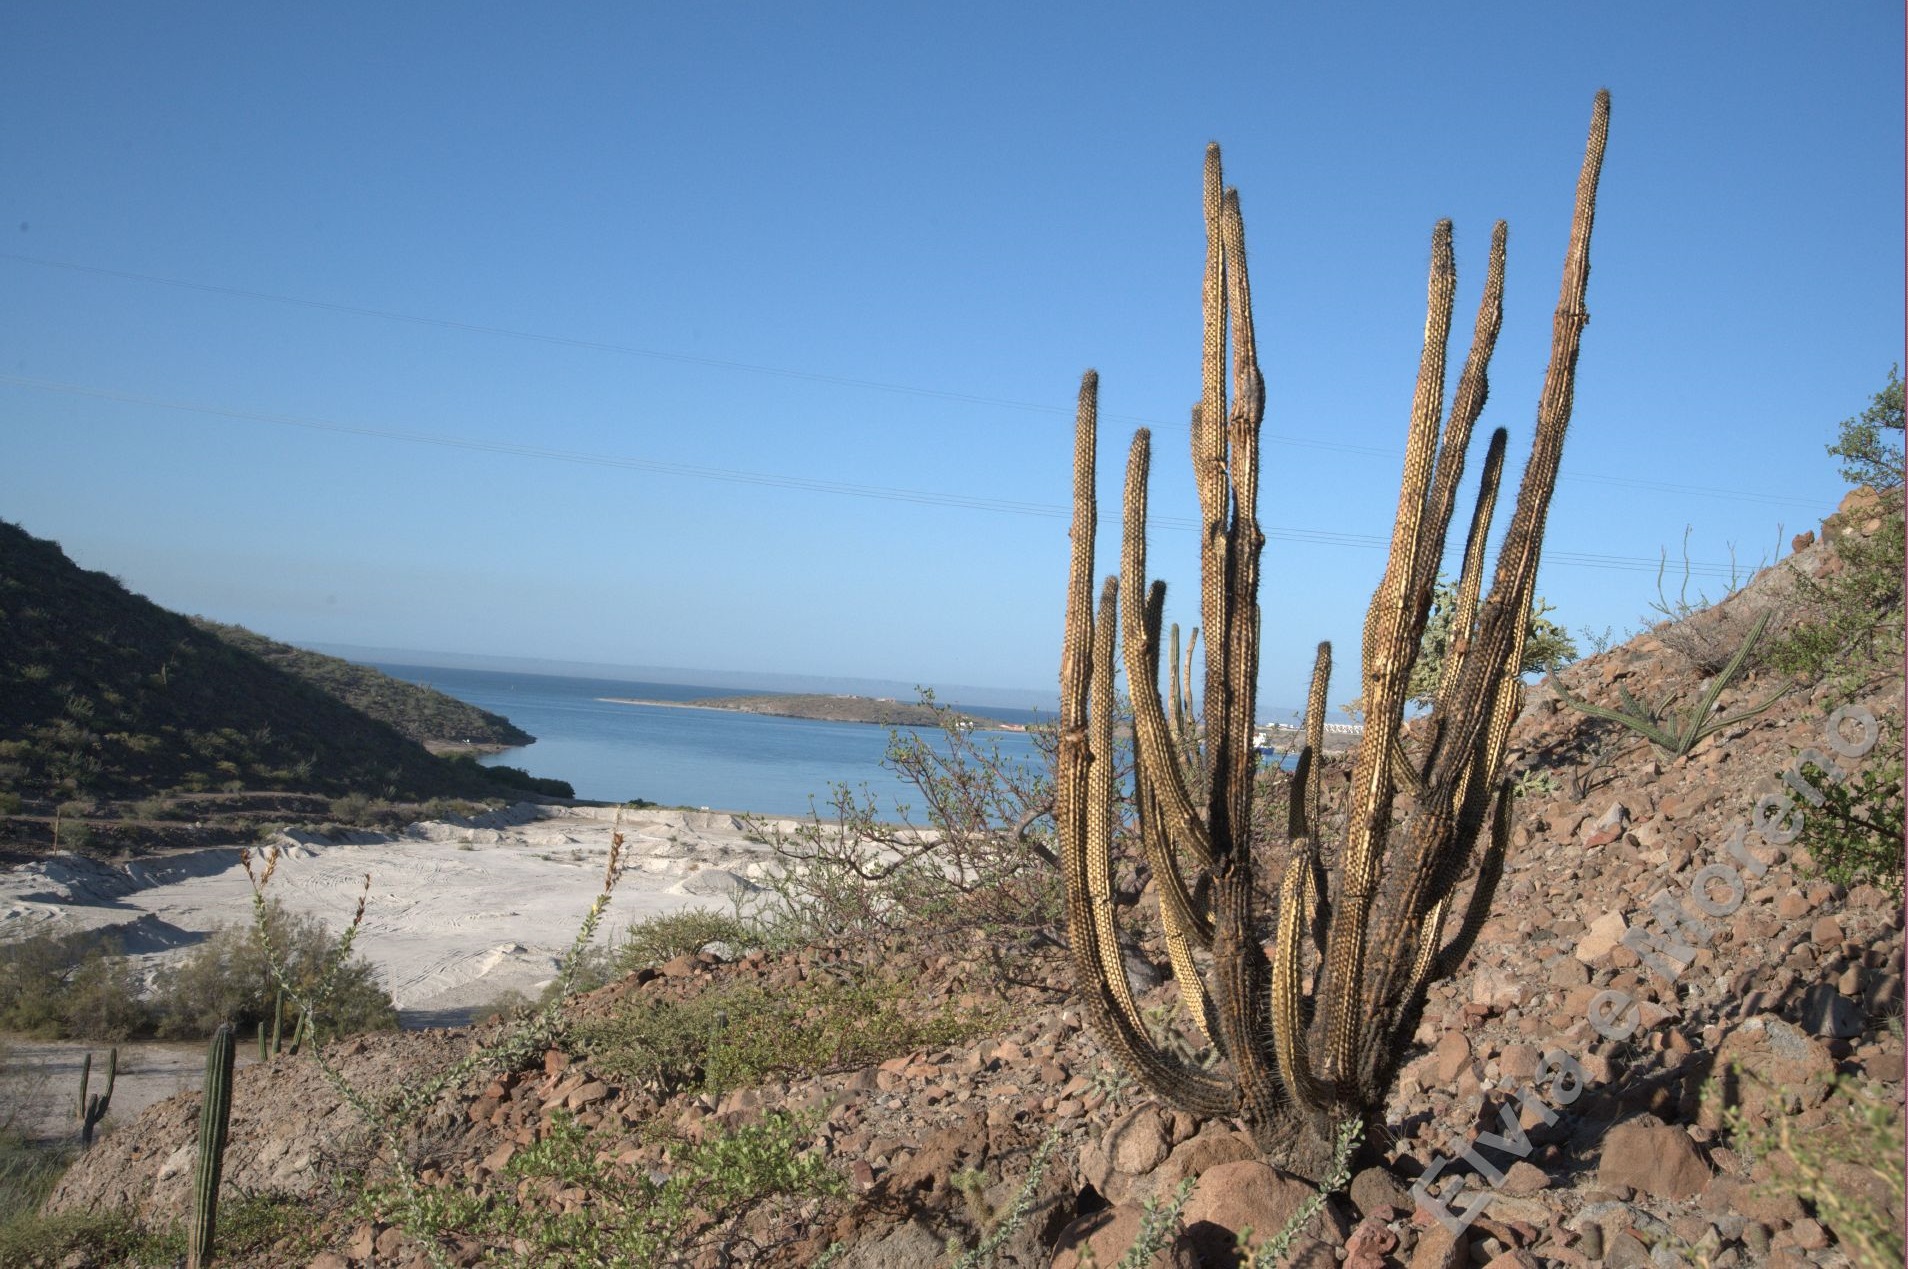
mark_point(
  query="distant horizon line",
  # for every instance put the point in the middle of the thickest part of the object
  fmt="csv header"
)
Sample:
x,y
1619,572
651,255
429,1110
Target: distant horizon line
x,y
767,680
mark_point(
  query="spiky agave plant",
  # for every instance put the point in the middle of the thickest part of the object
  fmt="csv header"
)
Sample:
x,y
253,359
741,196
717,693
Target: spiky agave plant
x,y
1376,921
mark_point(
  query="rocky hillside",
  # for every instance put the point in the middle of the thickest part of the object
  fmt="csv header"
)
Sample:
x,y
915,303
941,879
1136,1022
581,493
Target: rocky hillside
x,y
103,692
423,714
963,1101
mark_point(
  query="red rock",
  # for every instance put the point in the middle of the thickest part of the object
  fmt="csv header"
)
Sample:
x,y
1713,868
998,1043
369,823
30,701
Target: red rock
x,y
1108,1234
1453,1055
1233,1197
1653,1158
1137,1143
1207,1150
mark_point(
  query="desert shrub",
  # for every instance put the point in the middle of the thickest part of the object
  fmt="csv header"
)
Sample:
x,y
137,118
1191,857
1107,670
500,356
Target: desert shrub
x,y
1548,646
518,778
103,1000
1852,617
249,1225
741,1036
1856,833
71,987
1849,621
1849,1172
984,858
628,1215
226,979
667,935
352,808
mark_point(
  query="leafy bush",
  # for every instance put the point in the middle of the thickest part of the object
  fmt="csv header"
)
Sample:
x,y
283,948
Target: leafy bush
x,y
1856,833
1852,617
226,979
1850,1171
663,937
1548,646
71,987
515,777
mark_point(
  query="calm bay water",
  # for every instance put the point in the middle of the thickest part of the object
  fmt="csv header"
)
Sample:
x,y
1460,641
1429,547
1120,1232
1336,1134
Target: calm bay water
x,y
724,760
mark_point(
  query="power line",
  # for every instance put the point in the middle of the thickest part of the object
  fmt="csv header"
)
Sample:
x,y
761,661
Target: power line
x,y
1322,537
503,332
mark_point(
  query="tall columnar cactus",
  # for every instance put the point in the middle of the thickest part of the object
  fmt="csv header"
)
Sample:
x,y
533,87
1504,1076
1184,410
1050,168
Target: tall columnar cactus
x,y
1388,916
215,1114
93,1106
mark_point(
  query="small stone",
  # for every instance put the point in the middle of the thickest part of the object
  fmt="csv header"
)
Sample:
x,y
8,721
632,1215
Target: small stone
x,y
1604,933
1453,1055
1524,1178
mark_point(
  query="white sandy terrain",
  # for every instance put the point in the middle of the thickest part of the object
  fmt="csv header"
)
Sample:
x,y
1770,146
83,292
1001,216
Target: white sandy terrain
x,y
458,913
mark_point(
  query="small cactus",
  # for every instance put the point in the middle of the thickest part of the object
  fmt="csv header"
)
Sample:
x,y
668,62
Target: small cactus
x,y
215,1114
93,1107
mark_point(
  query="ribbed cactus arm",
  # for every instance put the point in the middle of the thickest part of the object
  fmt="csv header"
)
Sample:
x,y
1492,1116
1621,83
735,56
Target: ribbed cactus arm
x,y
1237,762
215,1113
1082,808
1153,754
1390,648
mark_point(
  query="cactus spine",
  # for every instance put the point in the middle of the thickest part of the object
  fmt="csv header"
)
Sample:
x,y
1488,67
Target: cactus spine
x,y
215,1113
93,1107
1299,1063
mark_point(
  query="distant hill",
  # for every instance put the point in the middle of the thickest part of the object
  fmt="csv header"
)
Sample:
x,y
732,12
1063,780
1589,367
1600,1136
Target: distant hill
x,y
103,692
424,714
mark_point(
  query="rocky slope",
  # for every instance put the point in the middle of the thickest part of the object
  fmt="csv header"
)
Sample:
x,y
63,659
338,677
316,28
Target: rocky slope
x,y
1798,981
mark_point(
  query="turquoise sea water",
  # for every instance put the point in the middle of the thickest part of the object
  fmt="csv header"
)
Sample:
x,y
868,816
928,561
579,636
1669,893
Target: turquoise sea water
x,y
694,757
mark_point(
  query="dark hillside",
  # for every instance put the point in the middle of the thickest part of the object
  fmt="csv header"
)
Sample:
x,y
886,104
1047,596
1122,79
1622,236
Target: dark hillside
x,y
423,714
103,692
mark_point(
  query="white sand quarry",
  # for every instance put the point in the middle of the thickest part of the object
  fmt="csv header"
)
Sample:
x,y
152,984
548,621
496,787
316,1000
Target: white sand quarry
x,y
459,912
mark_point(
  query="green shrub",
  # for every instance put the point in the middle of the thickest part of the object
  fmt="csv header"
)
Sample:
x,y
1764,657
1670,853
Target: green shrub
x,y
628,1215
740,1036
103,1000
71,987
663,937
9,803
1851,620
985,858
226,979
1856,834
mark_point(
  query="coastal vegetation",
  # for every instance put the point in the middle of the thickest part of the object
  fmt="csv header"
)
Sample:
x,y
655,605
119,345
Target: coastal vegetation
x,y
82,987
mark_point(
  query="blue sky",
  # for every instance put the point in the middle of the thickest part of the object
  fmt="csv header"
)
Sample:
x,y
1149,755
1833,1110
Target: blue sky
x,y
674,250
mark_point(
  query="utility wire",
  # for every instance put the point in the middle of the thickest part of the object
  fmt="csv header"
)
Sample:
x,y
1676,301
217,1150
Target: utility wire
x,y
1324,537
391,315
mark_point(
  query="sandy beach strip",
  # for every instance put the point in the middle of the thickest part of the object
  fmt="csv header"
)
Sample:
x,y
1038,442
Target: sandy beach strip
x,y
458,912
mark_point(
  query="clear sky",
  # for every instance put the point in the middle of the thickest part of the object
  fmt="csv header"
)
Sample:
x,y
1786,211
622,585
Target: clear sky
x,y
746,336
